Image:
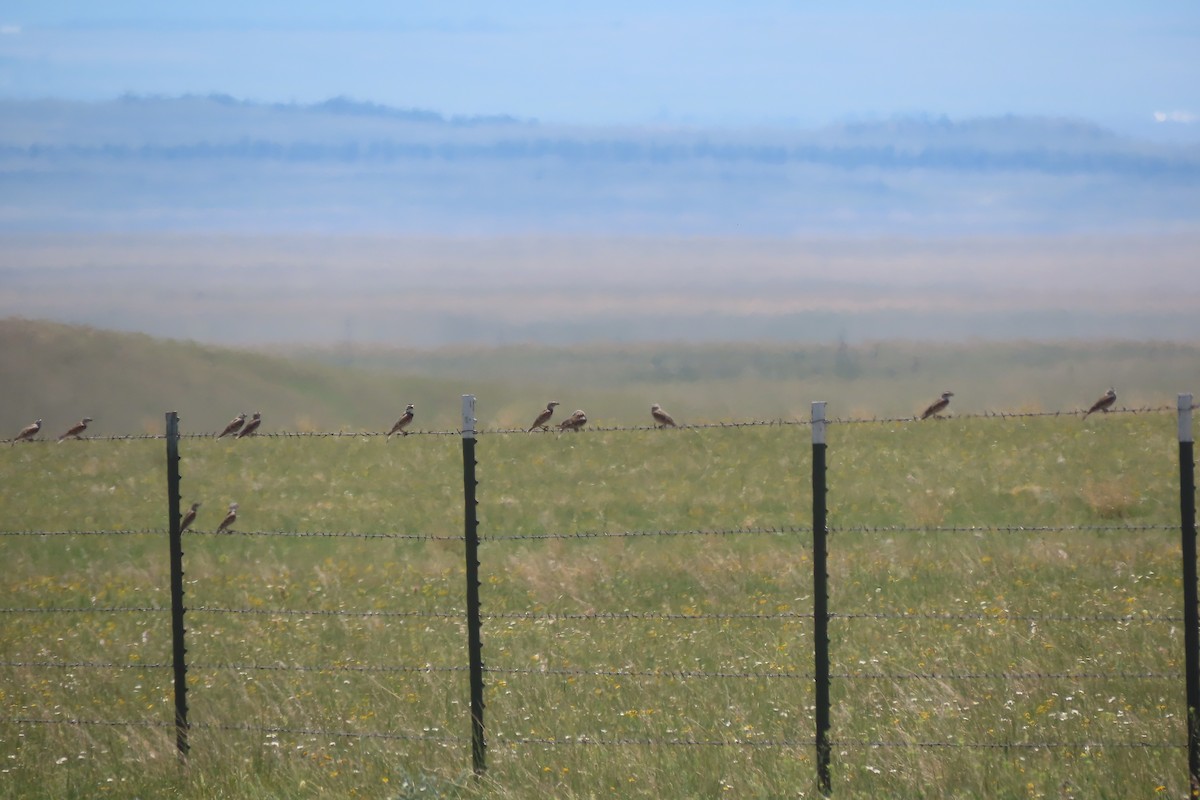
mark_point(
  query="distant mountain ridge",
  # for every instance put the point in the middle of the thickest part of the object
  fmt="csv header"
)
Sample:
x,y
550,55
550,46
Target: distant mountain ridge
x,y
208,162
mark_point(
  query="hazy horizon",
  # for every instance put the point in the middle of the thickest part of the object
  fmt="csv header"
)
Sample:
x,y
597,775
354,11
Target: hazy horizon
x,y
466,173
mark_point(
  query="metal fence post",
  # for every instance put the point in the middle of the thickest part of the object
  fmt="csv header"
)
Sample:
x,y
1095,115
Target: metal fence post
x,y
178,650
1191,612
474,622
820,595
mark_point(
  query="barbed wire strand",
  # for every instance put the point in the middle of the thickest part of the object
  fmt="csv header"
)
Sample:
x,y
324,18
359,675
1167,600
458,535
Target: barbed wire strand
x,y
585,739
110,723
647,615
416,537
136,532
503,739
791,615
417,669
1002,616
613,615
642,673
872,744
84,610
426,668
209,726
771,675
319,612
608,673
278,730
738,424
1009,676
1002,528
768,530
82,665
422,537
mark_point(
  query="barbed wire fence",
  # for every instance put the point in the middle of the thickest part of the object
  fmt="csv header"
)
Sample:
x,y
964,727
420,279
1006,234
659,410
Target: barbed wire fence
x,y
822,676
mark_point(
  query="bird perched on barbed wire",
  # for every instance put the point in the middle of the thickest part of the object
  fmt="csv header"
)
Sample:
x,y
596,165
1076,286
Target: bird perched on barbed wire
x,y
251,426
1103,404
937,406
230,518
188,517
402,423
573,422
234,425
28,432
543,417
661,418
76,429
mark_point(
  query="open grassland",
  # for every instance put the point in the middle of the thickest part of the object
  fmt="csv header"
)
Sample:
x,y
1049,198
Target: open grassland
x,y
246,290
996,662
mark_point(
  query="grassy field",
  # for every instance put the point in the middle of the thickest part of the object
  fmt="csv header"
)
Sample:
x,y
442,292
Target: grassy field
x,y
998,663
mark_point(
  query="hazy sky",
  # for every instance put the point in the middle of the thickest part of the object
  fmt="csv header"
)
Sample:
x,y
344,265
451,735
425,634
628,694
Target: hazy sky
x,y
1119,62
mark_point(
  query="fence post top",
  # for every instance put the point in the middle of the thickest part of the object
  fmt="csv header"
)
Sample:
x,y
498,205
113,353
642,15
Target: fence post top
x,y
468,416
818,422
1185,417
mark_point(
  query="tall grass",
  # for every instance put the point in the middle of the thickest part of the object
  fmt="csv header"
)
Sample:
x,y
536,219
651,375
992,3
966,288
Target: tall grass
x,y
967,662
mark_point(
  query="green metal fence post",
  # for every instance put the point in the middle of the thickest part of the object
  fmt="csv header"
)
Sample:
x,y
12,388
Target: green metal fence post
x,y
175,536
1191,612
474,621
820,595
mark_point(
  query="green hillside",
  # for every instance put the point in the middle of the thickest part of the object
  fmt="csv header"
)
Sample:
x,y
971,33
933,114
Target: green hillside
x,y
127,381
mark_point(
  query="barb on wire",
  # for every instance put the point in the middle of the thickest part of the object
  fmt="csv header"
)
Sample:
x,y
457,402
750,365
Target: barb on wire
x,y
667,533
324,732
83,610
657,615
643,673
1000,616
426,668
317,612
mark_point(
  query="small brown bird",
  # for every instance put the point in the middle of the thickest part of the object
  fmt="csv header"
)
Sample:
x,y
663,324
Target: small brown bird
x,y
1103,404
661,418
402,423
230,518
76,429
543,417
251,426
188,517
937,406
573,422
234,425
28,432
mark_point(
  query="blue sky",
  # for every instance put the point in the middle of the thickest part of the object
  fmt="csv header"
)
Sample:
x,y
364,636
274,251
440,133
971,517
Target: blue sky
x,y
1131,65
